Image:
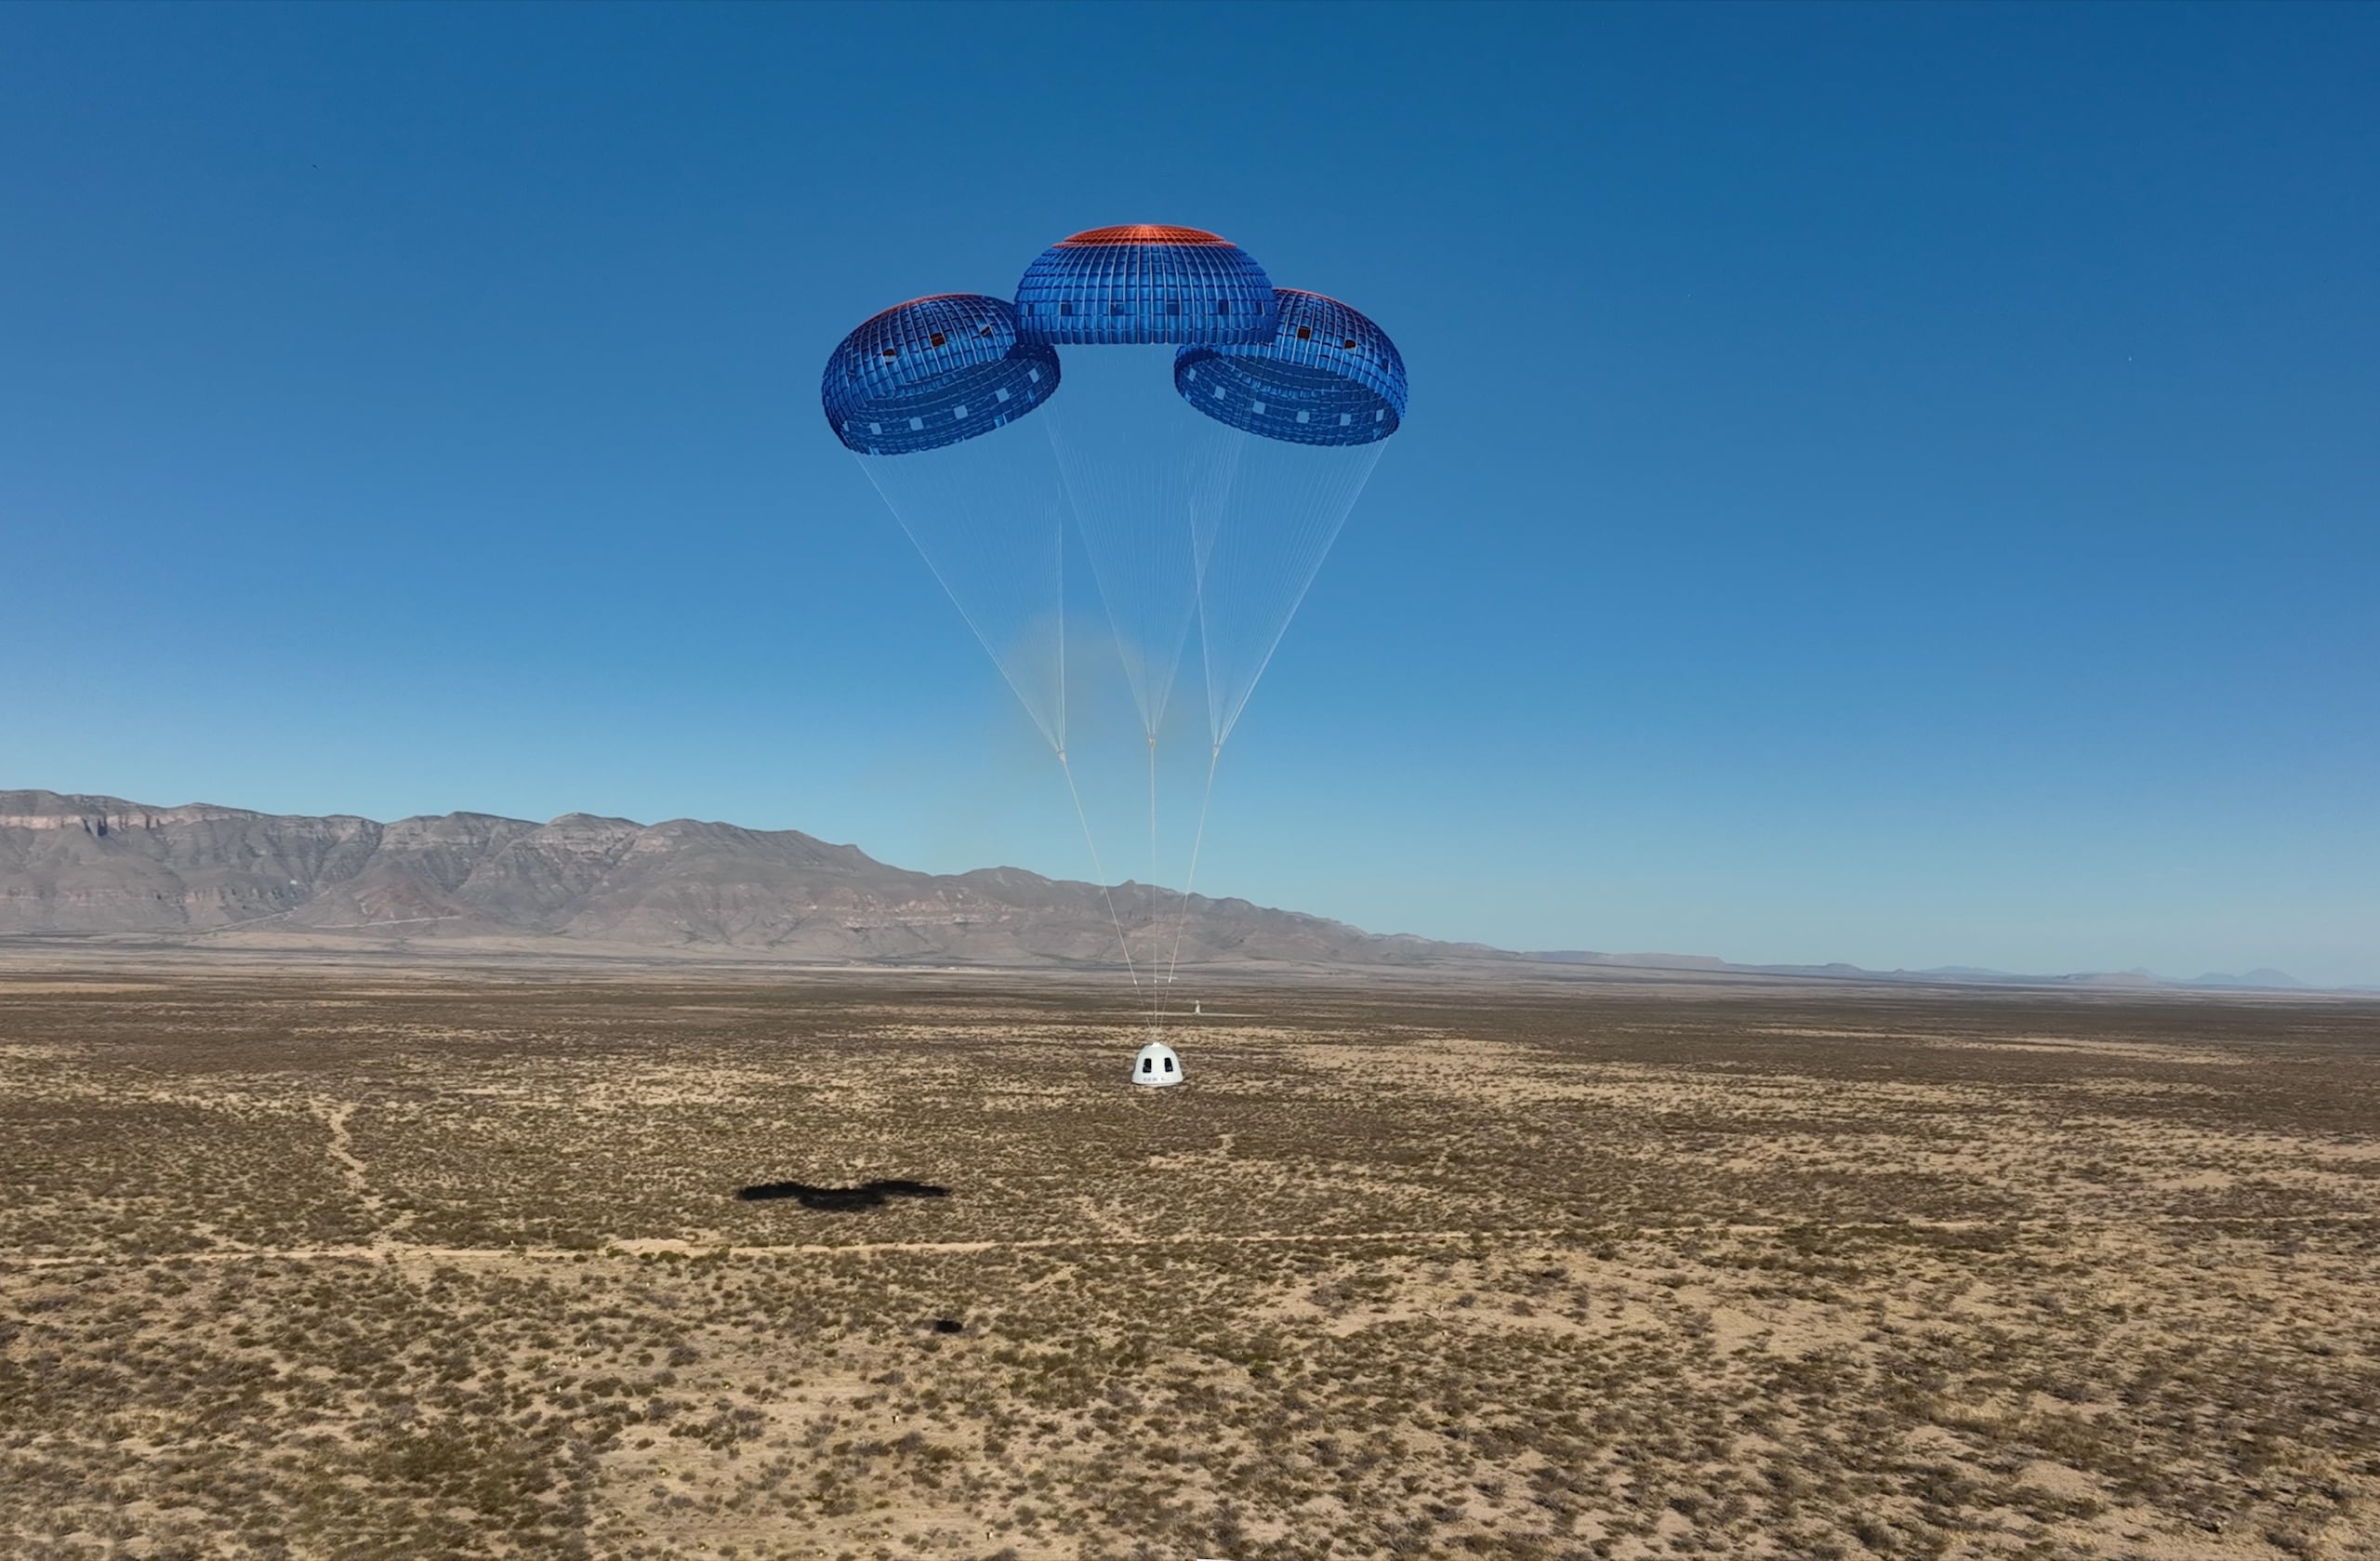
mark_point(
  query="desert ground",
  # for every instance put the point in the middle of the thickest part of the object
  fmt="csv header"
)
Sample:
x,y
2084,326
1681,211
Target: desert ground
x,y
339,1263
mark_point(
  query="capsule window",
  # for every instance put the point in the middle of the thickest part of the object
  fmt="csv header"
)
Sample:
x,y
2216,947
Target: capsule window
x,y
1148,1065
1305,333
1168,1064
939,338
1349,343
892,351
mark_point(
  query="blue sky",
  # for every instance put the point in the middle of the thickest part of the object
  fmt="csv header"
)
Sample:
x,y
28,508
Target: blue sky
x,y
1894,485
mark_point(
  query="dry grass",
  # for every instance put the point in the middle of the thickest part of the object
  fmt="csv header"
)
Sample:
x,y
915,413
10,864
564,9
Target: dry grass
x,y
320,1266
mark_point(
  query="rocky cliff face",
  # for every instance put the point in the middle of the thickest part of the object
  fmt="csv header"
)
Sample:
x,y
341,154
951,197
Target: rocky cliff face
x,y
95,864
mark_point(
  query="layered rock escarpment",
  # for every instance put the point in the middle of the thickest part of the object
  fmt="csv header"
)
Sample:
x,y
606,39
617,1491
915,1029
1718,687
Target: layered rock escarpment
x,y
99,865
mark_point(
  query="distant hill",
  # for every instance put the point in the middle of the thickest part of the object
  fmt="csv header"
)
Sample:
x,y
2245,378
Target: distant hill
x,y
100,865
78,866
2262,979
1952,976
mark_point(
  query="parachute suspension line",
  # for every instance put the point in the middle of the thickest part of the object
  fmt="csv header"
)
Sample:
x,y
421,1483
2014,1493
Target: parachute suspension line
x,y
1182,922
1309,504
1101,873
1131,456
936,500
1157,993
1058,518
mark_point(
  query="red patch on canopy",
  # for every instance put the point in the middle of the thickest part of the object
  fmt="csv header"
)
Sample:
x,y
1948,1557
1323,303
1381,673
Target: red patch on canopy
x,y
1146,232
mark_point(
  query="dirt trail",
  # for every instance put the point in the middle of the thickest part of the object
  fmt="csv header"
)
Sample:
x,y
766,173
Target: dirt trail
x,y
387,1248
357,1177
351,1170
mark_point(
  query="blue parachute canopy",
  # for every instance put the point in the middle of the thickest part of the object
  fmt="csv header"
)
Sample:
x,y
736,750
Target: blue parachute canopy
x,y
1327,377
1144,285
933,372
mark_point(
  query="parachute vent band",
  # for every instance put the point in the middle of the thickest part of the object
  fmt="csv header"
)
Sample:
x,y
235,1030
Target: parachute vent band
x,y
1146,232
1147,285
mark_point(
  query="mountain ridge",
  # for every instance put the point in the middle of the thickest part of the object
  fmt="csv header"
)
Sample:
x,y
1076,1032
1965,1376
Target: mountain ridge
x,y
74,864
89,865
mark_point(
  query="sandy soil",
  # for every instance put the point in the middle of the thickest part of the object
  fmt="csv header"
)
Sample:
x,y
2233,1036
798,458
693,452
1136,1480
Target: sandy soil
x,y
339,1264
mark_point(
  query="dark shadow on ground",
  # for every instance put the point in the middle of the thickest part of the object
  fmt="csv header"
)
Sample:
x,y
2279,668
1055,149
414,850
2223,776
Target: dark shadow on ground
x,y
840,1200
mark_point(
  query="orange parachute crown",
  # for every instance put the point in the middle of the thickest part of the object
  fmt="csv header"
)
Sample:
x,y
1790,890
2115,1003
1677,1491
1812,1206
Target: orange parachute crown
x,y
1144,232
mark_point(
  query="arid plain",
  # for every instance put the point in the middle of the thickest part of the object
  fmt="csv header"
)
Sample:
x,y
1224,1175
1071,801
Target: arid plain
x,y
343,1264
